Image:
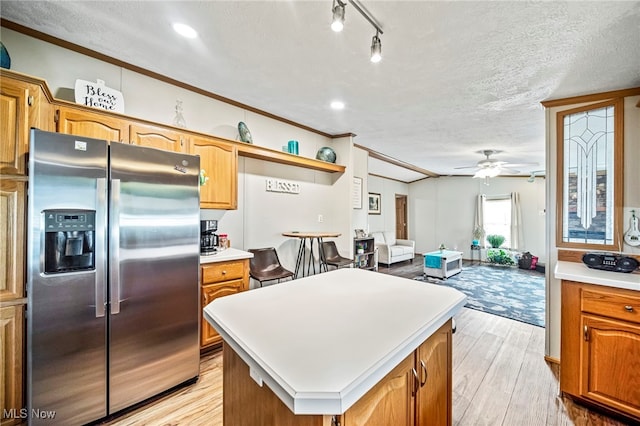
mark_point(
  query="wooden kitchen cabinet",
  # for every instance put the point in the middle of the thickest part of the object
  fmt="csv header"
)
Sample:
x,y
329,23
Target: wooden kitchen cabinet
x,y
434,367
91,124
219,160
13,233
600,346
158,137
390,402
416,392
11,349
22,107
220,279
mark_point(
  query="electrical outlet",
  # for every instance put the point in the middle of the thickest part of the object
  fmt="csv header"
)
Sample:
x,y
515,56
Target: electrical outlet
x,y
320,218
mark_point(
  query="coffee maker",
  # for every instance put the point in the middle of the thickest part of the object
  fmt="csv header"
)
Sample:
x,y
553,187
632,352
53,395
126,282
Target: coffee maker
x,y
208,237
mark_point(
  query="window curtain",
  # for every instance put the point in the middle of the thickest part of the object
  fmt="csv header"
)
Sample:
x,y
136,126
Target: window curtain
x,y
516,222
479,219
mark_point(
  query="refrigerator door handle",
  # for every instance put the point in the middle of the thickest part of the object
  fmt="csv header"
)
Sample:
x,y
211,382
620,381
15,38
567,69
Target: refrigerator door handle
x,y
100,248
114,242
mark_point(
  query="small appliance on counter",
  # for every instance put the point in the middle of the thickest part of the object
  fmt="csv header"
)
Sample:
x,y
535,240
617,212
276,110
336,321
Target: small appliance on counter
x,y
610,262
208,237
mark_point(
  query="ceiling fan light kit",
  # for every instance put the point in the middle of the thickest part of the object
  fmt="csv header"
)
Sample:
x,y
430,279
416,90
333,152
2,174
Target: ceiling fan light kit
x,y
337,25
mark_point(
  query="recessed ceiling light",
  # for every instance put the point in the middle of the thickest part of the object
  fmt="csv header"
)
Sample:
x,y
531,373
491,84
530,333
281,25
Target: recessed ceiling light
x,y
185,30
337,105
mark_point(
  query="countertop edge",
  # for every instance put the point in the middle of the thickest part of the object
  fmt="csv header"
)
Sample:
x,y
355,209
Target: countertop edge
x,y
333,403
579,272
225,255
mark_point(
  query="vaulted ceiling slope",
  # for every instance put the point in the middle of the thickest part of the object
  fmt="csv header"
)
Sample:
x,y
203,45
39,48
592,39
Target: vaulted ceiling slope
x,y
456,77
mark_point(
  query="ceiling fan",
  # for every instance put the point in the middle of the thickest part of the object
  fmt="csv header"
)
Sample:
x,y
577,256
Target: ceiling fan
x,y
490,167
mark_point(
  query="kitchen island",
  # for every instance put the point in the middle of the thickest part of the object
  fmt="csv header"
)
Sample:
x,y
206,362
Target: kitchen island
x,y
348,345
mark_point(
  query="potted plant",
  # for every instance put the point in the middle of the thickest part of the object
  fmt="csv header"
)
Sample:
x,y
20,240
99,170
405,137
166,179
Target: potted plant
x,y
495,240
500,256
477,233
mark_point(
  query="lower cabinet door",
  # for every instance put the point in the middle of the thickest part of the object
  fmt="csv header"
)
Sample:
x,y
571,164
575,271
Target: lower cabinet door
x,y
433,364
389,402
208,335
11,353
610,363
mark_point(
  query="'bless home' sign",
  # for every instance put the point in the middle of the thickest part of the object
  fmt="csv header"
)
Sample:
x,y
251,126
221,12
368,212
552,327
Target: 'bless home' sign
x,y
97,95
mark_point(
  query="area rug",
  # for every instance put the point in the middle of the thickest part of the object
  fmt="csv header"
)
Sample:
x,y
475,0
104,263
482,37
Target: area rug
x,y
509,292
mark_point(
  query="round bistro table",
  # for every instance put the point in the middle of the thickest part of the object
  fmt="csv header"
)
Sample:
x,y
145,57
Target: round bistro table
x,y
301,258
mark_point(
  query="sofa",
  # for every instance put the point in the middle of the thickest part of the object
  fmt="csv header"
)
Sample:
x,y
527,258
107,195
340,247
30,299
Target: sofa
x,y
392,250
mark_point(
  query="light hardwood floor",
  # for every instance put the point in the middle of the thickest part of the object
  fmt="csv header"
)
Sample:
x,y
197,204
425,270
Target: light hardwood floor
x,y
500,377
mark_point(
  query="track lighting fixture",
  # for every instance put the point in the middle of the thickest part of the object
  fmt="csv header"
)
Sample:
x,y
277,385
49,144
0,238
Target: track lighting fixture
x,y
338,16
376,49
338,11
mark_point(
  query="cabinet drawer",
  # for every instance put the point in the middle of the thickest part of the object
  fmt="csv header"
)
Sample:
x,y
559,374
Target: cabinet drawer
x,y
619,306
223,271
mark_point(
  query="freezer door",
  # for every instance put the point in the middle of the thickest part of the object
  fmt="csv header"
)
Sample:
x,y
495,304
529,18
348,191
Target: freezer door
x,y
154,262
66,322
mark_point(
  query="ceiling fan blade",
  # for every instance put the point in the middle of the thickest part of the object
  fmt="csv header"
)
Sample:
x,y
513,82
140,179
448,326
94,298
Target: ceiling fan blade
x,y
519,164
466,167
509,170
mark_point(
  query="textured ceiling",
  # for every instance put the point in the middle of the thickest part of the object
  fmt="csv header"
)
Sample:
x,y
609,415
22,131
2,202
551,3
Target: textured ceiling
x,y
456,77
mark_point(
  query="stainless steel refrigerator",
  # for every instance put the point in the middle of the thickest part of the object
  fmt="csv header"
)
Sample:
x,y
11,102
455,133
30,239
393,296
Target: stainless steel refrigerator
x,y
112,279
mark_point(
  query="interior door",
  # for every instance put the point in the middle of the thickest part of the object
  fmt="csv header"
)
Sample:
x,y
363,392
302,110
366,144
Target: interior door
x,y
401,216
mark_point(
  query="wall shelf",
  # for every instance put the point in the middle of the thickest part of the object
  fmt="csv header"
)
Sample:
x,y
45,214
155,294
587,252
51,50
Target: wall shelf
x,y
267,154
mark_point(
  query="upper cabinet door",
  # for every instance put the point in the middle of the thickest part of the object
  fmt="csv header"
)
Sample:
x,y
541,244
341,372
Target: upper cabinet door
x,y
14,126
91,124
219,168
158,137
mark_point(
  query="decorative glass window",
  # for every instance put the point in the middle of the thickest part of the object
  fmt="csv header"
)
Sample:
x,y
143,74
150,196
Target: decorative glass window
x,y
590,176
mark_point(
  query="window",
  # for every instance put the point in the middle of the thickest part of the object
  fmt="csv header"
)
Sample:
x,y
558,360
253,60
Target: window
x,y
590,176
497,218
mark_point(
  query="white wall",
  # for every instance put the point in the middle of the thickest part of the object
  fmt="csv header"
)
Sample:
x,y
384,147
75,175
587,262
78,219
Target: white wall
x,y
387,188
442,211
261,216
631,201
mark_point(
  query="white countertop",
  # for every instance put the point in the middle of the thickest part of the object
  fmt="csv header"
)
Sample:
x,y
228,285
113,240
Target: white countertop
x,y
321,342
580,272
227,254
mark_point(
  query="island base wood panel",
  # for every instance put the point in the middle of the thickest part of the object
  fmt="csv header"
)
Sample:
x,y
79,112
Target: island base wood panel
x,y
600,347
247,404
417,392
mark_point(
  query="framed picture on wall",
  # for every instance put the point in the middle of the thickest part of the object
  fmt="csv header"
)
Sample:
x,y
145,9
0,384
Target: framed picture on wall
x,y
374,203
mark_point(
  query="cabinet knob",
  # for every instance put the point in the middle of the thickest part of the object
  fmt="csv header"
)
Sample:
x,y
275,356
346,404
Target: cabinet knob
x,y
224,272
586,333
628,308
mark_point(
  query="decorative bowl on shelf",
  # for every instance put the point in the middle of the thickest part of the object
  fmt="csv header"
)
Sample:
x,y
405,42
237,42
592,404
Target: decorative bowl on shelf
x,y
5,59
326,154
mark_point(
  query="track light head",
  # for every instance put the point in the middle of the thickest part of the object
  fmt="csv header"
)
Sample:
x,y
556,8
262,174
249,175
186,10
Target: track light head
x,y
338,17
376,49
